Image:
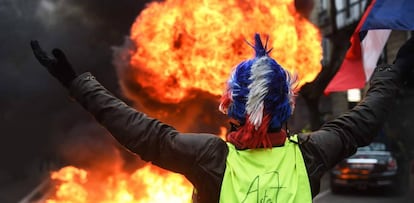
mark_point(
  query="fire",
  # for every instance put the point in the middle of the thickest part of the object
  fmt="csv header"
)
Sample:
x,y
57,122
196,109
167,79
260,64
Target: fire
x,y
71,189
148,184
187,45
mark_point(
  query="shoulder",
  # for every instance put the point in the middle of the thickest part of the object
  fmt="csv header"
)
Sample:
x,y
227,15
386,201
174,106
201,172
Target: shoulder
x,y
206,143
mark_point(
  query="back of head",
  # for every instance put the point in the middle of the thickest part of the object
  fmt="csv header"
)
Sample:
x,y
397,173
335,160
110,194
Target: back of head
x,y
259,97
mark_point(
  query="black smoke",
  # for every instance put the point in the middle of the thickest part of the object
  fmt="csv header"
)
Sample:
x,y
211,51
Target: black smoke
x,y
36,114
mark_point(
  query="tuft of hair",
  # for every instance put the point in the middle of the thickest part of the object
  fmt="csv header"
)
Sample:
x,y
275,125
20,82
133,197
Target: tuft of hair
x,y
258,47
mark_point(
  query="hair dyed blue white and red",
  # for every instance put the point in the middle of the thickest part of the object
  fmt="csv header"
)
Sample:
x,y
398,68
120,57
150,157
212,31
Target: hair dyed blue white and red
x,y
260,96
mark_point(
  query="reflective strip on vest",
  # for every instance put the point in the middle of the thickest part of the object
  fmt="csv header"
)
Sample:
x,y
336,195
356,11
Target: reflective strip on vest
x,y
276,175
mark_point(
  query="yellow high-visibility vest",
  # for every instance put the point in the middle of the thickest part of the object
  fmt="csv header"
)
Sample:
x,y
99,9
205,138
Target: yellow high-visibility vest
x,y
276,175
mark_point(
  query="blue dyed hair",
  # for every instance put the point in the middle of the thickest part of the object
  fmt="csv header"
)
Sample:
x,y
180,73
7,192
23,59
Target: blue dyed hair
x,y
259,87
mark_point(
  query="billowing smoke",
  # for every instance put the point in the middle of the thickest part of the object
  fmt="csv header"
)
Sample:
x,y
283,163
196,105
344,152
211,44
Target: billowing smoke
x,y
37,116
304,7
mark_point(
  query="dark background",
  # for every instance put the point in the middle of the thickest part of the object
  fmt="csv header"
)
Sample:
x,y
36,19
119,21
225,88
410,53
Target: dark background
x,y
36,114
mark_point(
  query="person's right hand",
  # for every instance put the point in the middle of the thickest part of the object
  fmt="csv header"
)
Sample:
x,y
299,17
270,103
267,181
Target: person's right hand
x,y
58,66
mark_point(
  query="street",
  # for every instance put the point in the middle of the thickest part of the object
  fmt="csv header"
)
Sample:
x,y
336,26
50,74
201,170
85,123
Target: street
x,y
361,196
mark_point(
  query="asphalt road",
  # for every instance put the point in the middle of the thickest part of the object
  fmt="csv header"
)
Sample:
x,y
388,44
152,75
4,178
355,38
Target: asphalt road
x,y
362,196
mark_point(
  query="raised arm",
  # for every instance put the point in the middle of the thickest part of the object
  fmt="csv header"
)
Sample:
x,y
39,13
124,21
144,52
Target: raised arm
x,y
151,139
342,136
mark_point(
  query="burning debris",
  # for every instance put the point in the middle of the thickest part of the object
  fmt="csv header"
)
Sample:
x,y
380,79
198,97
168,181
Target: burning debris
x,y
148,184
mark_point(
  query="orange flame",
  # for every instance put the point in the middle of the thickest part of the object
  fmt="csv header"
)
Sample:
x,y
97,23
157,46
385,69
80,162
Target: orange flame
x,y
148,184
183,45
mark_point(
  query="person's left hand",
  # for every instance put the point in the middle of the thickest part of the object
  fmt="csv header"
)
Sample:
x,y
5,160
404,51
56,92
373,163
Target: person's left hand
x,y
58,66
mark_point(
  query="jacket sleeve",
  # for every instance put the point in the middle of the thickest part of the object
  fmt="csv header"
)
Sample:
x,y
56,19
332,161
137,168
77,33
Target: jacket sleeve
x,y
149,138
341,137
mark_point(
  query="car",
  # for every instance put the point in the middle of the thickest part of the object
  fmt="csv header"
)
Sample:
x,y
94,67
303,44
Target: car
x,y
372,166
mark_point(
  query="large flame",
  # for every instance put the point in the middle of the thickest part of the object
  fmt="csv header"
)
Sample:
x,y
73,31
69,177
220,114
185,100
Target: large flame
x,y
182,45
148,184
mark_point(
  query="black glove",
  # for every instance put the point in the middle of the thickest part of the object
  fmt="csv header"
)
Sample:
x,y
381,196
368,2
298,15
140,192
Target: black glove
x,y
404,61
58,66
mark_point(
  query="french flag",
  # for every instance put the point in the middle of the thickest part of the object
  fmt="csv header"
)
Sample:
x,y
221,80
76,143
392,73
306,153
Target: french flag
x,y
368,41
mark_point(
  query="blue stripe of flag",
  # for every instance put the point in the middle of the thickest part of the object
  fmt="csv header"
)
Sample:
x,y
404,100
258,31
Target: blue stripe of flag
x,y
391,14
